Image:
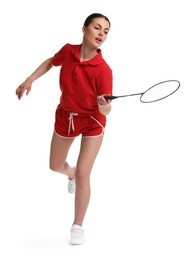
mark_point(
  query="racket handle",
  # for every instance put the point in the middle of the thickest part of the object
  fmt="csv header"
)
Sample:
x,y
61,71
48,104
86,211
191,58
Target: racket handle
x,y
110,97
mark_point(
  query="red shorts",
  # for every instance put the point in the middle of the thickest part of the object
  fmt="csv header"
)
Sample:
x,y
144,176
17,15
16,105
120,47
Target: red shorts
x,y
70,124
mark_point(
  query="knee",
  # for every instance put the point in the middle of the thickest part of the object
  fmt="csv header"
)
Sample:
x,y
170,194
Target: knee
x,y
82,177
53,167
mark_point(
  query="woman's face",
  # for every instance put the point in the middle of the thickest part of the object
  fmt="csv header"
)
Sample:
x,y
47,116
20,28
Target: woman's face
x,y
96,33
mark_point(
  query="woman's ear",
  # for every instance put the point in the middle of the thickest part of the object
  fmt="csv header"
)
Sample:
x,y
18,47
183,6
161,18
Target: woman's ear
x,y
83,29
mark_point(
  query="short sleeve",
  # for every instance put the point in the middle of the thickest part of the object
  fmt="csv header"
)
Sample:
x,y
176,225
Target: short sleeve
x,y
105,82
57,59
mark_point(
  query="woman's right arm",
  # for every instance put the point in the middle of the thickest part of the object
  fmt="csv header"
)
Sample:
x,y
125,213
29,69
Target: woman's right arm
x,y
27,84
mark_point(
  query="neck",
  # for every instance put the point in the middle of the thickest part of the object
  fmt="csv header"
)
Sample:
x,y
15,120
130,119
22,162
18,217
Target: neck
x,y
87,53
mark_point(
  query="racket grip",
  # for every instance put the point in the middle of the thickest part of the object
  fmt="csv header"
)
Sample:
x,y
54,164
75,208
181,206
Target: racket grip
x,y
109,97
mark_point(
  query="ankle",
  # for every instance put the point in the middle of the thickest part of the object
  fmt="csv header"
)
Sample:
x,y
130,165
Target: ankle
x,y
70,172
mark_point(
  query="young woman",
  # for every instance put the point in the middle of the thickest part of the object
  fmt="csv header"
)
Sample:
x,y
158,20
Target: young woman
x,y
85,78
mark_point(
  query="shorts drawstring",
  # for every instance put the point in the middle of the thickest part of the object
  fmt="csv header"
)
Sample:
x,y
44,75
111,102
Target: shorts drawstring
x,y
71,122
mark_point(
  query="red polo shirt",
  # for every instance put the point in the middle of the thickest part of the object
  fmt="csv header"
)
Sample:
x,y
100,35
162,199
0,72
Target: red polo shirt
x,y
82,82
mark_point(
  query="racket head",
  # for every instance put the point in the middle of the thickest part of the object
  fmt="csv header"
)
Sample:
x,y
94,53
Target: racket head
x,y
160,91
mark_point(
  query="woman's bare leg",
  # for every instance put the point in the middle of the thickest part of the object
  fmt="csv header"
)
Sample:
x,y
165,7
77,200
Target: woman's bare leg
x,y
58,154
88,152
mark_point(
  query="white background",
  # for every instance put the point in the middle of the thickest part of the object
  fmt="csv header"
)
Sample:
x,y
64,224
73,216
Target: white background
x,y
143,182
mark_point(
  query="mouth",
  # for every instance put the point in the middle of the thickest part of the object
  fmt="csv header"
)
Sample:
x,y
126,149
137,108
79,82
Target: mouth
x,y
99,40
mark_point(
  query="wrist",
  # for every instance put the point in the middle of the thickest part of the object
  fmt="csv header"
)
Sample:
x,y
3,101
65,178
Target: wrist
x,y
30,79
104,109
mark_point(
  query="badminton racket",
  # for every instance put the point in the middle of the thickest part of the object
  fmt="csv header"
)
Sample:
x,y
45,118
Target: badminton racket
x,y
155,93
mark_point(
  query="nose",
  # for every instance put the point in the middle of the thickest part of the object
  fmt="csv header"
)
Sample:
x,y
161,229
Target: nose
x,y
101,33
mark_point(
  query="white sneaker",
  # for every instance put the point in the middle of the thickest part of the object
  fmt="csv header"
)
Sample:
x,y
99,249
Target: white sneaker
x,y
71,186
77,235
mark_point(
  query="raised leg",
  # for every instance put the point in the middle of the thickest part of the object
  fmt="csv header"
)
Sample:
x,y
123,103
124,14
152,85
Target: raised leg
x,y
58,154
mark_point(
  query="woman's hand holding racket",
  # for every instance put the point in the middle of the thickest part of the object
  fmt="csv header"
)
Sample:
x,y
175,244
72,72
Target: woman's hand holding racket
x,y
102,101
103,104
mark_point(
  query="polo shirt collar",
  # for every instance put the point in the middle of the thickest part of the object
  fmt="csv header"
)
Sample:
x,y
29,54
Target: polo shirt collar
x,y
94,61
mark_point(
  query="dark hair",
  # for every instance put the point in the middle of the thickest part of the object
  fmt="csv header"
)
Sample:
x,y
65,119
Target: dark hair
x,y
91,17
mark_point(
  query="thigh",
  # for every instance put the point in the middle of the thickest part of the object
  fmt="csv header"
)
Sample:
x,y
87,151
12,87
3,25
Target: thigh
x,y
88,152
59,149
